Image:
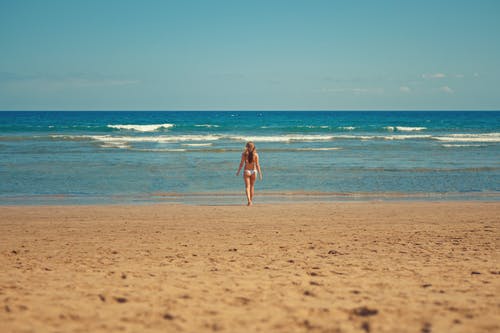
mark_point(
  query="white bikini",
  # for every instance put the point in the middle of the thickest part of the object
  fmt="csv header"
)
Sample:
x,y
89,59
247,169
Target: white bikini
x,y
250,172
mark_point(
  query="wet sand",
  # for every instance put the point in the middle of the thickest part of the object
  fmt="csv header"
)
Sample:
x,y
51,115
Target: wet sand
x,y
321,267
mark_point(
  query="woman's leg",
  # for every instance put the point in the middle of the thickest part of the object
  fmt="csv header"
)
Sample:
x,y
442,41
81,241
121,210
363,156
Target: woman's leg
x,y
252,183
247,189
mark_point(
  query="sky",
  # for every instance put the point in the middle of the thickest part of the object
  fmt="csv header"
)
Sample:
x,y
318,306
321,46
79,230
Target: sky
x,y
249,55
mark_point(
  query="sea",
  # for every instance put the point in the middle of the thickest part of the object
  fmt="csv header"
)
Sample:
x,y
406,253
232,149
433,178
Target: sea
x,y
191,157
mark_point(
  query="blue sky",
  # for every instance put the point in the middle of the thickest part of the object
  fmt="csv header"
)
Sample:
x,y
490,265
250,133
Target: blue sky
x,y
249,55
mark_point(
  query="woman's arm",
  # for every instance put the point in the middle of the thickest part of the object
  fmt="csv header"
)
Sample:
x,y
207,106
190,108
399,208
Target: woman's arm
x,y
241,164
258,166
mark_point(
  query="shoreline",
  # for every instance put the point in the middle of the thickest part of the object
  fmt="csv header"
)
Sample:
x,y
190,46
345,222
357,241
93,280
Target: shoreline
x,y
235,198
323,267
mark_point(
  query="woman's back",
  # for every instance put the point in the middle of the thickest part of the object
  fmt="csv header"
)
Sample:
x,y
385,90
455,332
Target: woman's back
x,y
250,165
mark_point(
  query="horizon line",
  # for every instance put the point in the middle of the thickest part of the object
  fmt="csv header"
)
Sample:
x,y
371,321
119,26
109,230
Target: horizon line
x,y
249,110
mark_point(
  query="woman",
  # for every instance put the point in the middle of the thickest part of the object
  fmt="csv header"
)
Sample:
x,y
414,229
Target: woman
x,y
250,159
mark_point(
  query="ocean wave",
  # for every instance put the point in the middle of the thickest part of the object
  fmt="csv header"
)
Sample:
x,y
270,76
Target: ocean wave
x,y
208,149
141,128
207,125
197,144
318,137
65,137
404,169
483,137
112,144
155,139
18,138
404,128
297,128
108,141
160,150
313,126
199,140
462,145
282,138
205,140
217,150
318,149
406,137
347,128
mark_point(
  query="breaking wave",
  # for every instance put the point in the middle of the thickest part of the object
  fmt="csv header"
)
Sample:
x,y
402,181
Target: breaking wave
x,y
484,137
206,139
404,128
142,128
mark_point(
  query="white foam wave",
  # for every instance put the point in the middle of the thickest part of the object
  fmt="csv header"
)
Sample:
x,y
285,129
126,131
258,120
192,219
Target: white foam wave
x,y
379,137
282,138
162,150
347,128
459,146
155,139
205,140
410,129
70,137
405,137
115,145
484,137
207,125
197,144
319,149
141,128
404,128
312,126
356,137
109,141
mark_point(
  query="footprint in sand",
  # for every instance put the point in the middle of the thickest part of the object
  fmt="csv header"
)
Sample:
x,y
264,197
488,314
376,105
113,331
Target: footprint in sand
x,y
121,299
168,316
364,311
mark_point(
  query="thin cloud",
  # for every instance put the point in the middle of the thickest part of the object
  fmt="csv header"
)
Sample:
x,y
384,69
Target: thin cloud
x,y
357,91
74,80
78,82
430,76
405,89
446,90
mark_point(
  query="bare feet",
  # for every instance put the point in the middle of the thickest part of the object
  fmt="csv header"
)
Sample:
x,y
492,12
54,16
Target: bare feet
x,y
249,203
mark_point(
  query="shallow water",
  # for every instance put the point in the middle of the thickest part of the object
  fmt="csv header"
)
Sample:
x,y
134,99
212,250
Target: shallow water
x,y
123,157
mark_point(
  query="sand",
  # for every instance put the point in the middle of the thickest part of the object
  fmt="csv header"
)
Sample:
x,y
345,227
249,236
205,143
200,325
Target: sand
x,y
322,267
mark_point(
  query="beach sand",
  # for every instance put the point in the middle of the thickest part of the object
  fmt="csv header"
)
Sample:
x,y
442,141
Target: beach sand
x,y
320,267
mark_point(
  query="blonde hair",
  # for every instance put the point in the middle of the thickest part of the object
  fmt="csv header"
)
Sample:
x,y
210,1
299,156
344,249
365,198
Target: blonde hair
x,y
250,151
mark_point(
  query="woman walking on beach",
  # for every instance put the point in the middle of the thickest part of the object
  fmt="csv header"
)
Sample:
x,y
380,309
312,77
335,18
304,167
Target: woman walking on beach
x,y
250,159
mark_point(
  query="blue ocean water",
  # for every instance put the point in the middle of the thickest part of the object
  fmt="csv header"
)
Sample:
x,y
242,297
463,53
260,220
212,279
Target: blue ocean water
x,y
124,157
